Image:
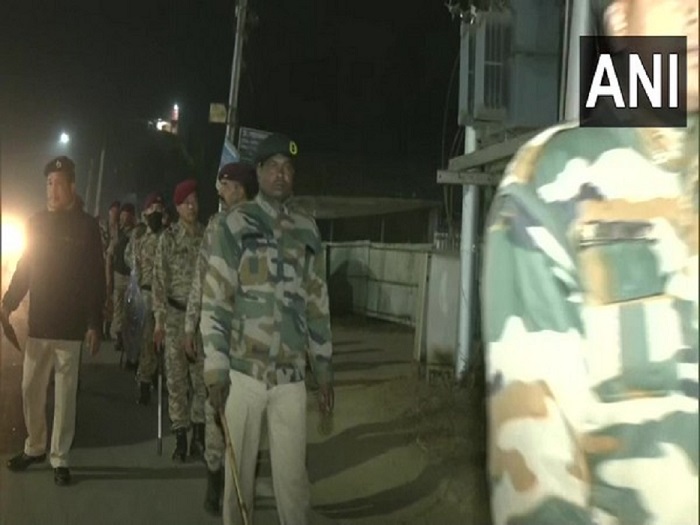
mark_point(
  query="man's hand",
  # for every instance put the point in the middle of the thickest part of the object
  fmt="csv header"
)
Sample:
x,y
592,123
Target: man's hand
x,y
326,398
92,340
218,394
158,337
190,349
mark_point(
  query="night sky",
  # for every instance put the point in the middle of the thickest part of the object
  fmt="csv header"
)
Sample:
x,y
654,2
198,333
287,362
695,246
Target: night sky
x,y
360,85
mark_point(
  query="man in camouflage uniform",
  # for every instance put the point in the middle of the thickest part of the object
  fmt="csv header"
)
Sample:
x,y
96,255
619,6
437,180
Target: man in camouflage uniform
x,y
120,272
141,253
176,259
109,231
591,315
264,307
235,183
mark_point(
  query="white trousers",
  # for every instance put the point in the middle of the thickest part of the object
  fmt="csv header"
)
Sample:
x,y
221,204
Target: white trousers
x,y
40,357
285,406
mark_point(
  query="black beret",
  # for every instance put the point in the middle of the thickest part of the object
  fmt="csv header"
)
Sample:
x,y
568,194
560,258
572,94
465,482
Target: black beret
x,y
61,164
276,144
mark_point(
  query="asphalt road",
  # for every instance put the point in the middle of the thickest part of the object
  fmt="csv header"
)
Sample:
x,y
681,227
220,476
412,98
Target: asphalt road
x,y
365,469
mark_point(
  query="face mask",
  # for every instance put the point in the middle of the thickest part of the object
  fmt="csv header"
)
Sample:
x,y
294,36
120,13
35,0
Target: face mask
x,y
155,221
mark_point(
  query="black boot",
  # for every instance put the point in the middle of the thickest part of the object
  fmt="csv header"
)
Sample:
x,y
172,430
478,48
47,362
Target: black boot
x,y
215,485
197,443
180,452
144,393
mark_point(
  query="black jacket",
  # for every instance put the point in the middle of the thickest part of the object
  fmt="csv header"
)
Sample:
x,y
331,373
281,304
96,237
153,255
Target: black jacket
x,y
62,268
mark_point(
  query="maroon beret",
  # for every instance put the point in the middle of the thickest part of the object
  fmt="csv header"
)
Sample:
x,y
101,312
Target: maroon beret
x,y
183,190
243,174
236,171
153,198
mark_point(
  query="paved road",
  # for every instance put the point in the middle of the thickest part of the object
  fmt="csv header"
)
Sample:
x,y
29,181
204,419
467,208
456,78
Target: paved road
x,y
120,479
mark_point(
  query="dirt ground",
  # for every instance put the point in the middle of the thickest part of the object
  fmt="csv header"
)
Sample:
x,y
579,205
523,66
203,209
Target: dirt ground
x,y
449,426
444,429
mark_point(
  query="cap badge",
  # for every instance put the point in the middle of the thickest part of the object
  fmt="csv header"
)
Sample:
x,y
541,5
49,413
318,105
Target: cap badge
x,y
293,147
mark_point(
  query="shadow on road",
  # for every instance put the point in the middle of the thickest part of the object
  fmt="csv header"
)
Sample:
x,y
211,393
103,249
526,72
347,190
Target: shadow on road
x,y
107,411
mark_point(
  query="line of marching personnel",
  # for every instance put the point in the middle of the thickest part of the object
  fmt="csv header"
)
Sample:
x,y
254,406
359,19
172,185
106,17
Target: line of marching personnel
x,y
236,310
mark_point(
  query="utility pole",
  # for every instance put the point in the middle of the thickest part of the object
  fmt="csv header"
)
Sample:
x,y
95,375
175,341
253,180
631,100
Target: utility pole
x,y
88,190
99,182
232,120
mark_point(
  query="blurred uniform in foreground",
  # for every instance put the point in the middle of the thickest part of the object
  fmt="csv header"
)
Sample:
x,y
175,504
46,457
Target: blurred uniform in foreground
x,y
62,268
591,315
264,307
176,260
235,183
140,253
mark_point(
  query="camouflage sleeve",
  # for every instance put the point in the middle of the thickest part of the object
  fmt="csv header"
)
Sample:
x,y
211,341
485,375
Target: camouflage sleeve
x,y
194,300
318,315
218,293
535,369
160,279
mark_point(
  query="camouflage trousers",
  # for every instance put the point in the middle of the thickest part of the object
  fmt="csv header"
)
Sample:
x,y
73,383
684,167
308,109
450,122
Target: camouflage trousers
x,y
121,282
186,390
148,360
213,439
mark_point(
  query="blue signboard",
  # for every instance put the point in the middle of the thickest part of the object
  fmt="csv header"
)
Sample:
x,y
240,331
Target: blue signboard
x,y
229,153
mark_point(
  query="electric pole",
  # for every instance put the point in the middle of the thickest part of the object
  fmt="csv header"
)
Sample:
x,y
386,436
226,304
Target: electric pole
x,y
232,120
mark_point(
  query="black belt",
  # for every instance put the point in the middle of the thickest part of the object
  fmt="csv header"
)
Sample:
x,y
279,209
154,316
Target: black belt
x,y
177,304
146,287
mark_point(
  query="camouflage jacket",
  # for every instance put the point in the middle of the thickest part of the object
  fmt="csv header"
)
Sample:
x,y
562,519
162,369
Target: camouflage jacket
x,y
175,262
265,299
140,253
590,301
194,300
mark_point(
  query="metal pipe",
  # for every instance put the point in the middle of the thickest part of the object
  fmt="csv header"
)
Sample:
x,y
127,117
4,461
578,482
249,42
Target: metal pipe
x,y
470,206
564,59
580,26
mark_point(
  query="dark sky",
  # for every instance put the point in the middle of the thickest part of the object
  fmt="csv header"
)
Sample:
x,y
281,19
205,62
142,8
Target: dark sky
x,y
360,85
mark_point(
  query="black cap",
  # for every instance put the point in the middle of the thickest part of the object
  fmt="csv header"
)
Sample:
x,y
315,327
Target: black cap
x,y
276,144
61,164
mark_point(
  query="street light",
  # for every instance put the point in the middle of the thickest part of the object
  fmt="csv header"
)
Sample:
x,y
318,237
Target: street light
x,y
64,138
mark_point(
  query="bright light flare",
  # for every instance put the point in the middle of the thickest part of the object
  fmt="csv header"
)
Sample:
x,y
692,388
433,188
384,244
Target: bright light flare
x,y
64,138
13,241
